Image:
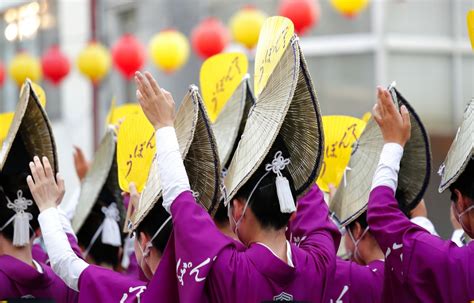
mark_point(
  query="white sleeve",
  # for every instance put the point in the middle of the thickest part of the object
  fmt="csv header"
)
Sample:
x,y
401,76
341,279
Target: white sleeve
x,y
425,223
64,261
389,165
457,237
69,206
65,223
173,177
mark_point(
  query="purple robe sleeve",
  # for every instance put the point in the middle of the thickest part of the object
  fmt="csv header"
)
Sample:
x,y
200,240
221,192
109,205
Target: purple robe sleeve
x,y
97,284
419,267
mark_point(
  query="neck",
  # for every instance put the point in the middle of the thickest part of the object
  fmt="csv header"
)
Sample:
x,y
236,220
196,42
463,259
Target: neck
x,y
21,253
371,253
154,260
274,239
227,230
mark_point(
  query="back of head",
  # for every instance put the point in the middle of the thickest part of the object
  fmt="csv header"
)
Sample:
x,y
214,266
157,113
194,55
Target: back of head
x,y
464,183
264,201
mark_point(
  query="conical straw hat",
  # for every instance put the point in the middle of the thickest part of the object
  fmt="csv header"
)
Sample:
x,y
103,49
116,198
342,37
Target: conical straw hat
x,y
199,151
461,150
31,122
102,172
230,123
350,201
286,106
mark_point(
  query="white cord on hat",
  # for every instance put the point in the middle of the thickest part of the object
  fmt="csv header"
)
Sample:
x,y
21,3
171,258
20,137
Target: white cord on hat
x,y
285,197
21,219
109,228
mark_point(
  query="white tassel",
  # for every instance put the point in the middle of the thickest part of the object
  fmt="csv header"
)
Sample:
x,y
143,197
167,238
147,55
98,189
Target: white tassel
x,y
21,219
285,197
111,231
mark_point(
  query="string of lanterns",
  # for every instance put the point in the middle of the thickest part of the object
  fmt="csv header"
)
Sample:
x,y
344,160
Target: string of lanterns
x,y
169,49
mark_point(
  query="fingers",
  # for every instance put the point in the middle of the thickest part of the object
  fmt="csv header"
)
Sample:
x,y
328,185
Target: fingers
x,y
380,96
61,188
376,114
145,86
48,171
34,172
405,116
31,183
39,167
154,85
140,98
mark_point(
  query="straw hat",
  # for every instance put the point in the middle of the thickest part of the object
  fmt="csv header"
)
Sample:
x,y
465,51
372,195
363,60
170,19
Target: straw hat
x,y
102,173
287,106
230,123
201,160
460,152
350,201
31,122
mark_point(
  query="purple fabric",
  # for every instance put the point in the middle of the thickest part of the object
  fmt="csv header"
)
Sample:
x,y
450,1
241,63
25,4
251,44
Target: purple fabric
x,y
208,266
18,279
41,256
134,271
419,267
97,284
356,283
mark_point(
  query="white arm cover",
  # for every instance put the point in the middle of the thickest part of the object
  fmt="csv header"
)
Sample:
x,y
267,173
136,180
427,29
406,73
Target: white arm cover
x,y
64,261
173,177
425,223
66,223
69,206
389,165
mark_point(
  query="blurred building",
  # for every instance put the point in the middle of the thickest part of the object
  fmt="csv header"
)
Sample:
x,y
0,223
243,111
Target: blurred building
x,y
422,44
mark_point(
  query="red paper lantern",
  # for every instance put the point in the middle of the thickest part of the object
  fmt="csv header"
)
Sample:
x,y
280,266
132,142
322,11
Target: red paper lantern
x,y
2,74
128,55
55,65
209,38
303,13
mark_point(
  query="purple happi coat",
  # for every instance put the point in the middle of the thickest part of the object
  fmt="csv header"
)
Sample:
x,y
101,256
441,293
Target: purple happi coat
x,y
208,266
134,271
98,284
356,283
20,280
419,267
41,256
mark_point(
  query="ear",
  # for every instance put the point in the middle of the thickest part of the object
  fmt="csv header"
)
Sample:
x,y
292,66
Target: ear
x,y
461,203
357,231
238,205
143,239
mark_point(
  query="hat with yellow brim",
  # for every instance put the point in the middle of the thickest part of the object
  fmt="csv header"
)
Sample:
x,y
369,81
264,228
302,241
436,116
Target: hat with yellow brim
x,y
31,122
102,173
286,106
460,152
350,200
199,151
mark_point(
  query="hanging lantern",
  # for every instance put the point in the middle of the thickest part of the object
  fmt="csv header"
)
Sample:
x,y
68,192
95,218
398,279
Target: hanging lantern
x,y
303,13
94,62
24,66
209,38
169,50
55,65
349,8
245,26
2,74
128,55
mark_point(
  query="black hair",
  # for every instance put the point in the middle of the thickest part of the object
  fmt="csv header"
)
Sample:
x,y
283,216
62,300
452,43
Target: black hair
x,y
100,252
12,180
152,222
264,202
362,219
221,216
464,183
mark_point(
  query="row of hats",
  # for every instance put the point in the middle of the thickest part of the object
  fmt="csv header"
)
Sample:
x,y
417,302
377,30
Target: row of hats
x,y
169,49
285,105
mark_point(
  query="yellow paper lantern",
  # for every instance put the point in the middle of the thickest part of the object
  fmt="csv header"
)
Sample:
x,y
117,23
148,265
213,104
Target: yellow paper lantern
x,y
94,61
24,66
349,8
245,26
39,91
169,50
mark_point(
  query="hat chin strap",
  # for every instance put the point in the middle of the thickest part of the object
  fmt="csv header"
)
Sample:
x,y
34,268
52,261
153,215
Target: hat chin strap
x,y
21,219
109,228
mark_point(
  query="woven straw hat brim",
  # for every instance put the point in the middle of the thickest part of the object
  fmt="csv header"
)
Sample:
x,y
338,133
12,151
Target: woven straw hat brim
x,y
287,106
350,201
199,151
31,122
95,180
461,150
232,120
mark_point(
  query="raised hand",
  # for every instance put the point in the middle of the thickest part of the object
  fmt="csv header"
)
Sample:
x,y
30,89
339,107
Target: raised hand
x,y
80,162
157,104
46,191
395,125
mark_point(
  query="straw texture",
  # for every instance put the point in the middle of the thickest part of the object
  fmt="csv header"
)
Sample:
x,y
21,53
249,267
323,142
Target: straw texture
x,y
31,122
286,106
231,121
199,151
97,176
351,201
461,150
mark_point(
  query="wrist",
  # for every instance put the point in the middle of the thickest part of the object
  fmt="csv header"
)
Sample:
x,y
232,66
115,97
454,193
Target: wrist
x,y
157,126
46,207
